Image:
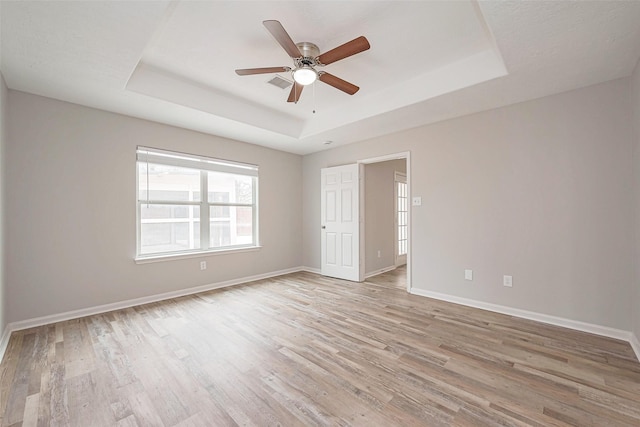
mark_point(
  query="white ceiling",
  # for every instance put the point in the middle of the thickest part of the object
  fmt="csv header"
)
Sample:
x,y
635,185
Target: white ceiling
x,y
174,61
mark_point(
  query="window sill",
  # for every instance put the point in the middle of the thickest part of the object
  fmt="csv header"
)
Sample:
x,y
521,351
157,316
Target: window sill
x,y
187,255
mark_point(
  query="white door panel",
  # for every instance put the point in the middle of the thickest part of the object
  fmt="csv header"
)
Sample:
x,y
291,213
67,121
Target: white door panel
x,y
340,228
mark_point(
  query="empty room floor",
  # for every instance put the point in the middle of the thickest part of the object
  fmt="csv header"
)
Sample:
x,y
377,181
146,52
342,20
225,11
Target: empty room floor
x,y
304,350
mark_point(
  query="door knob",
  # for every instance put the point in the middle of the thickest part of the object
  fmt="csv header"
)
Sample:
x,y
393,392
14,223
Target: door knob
x,y
323,227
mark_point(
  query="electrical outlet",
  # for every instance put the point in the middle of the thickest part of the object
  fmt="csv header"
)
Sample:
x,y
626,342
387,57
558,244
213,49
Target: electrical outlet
x,y
379,255
507,281
468,274
203,265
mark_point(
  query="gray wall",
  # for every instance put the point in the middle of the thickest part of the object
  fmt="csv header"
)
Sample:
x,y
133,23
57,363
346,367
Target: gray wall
x,y
380,214
635,94
70,182
3,139
539,190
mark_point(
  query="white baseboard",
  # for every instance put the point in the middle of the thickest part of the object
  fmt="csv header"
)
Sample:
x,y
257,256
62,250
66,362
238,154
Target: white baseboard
x,y
89,311
539,317
380,271
635,345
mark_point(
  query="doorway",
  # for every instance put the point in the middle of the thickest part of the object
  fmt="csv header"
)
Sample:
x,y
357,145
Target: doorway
x,y
385,229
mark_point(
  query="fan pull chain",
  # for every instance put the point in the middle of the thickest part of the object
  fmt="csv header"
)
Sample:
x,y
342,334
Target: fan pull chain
x,y
314,97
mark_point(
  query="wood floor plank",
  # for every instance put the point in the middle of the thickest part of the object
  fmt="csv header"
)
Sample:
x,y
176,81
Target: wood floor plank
x,y
30,416
307,350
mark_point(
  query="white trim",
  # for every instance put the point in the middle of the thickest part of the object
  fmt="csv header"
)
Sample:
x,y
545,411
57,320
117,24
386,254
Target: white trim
x,y
531,315
90,311
399,176
173,257
362,263
635,345
311,270
4,341
380,271
395,156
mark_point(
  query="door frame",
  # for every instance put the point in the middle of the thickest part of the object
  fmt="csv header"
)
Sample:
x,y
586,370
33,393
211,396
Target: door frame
x,y
404,155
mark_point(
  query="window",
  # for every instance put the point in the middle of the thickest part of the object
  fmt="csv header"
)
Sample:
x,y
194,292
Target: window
x,y
402,214
189,203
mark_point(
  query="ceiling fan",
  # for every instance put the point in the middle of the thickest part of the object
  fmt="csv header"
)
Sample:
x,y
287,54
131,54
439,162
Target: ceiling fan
x,y
306,57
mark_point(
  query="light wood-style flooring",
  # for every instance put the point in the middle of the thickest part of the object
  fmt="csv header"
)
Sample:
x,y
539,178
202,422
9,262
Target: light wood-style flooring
x,y
305,350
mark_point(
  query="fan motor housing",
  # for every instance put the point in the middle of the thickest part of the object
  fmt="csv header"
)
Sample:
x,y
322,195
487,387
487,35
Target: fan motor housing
x,y
308,50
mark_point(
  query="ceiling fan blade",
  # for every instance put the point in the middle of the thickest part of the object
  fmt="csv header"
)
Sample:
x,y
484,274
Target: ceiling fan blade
x,y
338,83
250,71
278,32
296,91
344,51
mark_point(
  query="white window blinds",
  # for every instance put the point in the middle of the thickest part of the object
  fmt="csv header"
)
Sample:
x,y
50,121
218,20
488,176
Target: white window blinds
x,y
172,158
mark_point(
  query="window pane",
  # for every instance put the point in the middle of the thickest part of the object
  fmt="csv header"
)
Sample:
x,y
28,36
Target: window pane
x,y
219,196
229,188
244,225
230,226
220,234
168,183
220,212
169,228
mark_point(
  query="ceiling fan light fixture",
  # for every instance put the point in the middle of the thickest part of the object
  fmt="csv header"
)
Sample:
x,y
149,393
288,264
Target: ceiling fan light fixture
x,y
306,56
305,75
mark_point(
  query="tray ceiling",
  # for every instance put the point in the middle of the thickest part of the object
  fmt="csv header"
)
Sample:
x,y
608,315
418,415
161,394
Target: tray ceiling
x,y
174,62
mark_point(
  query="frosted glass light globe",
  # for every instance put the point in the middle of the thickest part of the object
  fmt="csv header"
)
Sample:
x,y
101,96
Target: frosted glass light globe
x,y
305,76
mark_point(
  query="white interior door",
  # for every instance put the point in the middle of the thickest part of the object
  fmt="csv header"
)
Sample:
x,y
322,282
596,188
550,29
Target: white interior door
x,y
340,225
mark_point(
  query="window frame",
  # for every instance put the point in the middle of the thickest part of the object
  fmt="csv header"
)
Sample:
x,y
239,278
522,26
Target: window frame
x,y
203,165
400,180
